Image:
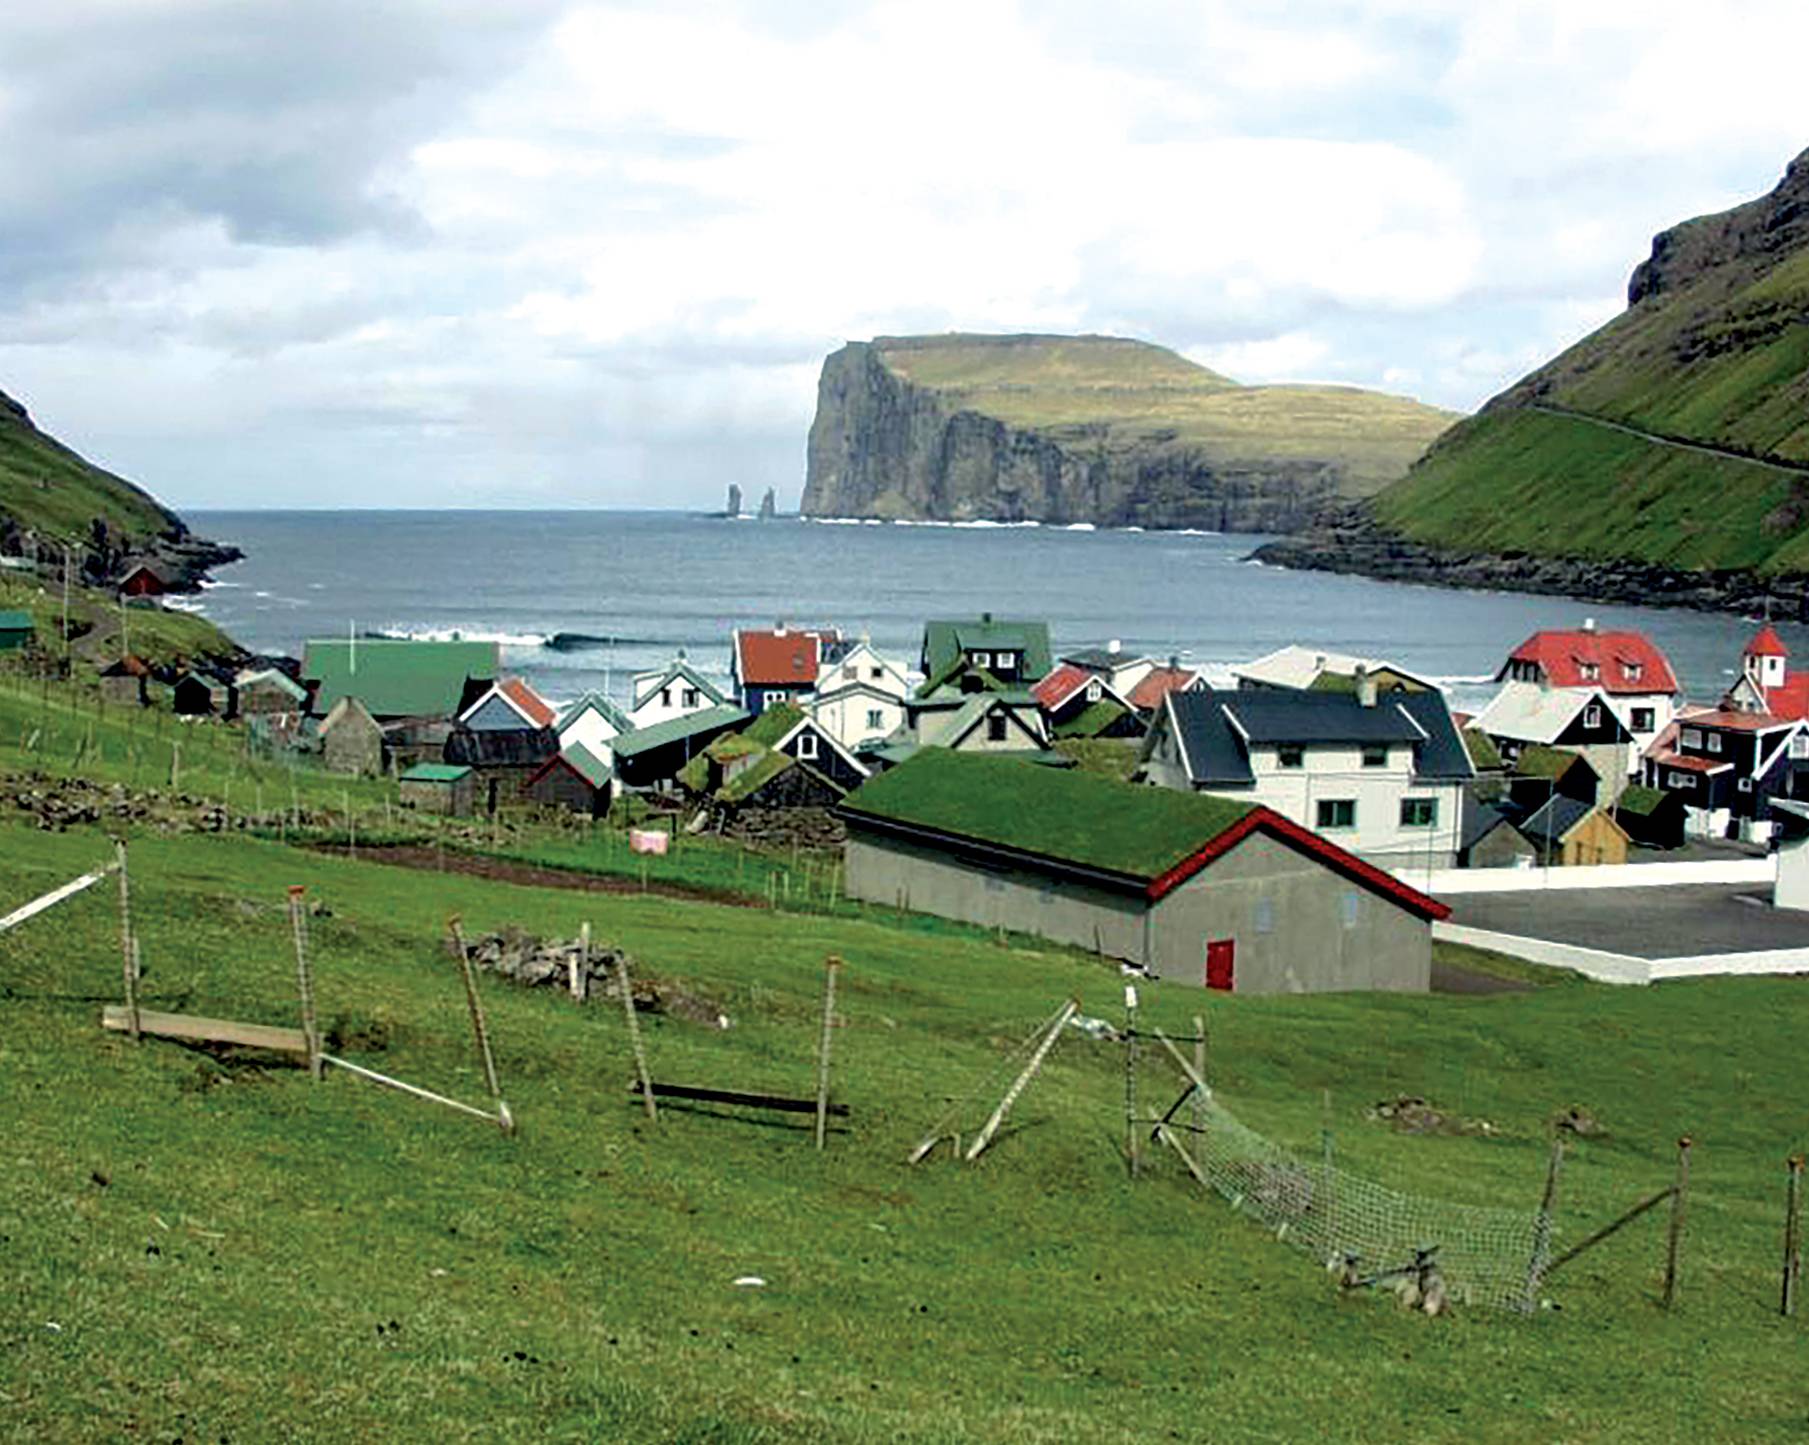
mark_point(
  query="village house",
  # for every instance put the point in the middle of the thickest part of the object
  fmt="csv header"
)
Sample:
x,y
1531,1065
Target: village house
x,y
1148,695
1525,714
1626,669
126,681
1541,773
16,631
780,665
143,579
351,740
1767,682
574,778
673,691
1569,832
861,662
1201,890
593,722
196,694
1727,766
1652,817
505,734
1488,839
1383,777
1316,668
268,691
652,757
1117,669
860,699
444,788
1007,721
1077,702
1016,654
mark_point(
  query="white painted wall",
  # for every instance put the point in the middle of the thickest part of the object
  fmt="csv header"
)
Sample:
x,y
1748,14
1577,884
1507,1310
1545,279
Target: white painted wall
x,y
1444,881
1792,890
659,708
594,733
865,664
846,719
1664,709
1624,968
1331,773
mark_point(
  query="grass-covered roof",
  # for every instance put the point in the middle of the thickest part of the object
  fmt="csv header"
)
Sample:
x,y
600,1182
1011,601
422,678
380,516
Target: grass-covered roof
x,y
1063,814
774,723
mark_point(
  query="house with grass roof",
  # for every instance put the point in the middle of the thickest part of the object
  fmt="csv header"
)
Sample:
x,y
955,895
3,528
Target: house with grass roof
x,y
1198,890
1652,817
782,759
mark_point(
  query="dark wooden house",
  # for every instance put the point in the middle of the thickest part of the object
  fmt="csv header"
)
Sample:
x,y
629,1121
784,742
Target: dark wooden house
x,y
126,682
1727,765
1651,817
195,694
574,778
144,579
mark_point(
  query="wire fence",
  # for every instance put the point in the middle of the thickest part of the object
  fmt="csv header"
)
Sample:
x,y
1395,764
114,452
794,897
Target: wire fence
x,y
1486,1256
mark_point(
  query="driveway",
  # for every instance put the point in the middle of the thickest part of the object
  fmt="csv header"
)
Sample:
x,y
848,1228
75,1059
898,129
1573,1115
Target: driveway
x,y
1671,922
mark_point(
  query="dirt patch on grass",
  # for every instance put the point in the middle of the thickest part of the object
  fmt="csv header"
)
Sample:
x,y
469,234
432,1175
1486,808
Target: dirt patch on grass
x,y
532,875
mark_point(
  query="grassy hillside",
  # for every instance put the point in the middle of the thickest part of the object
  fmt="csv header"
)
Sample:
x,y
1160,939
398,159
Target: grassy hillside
x,y
1714,354
1130,396
100,632
209,1248
48,488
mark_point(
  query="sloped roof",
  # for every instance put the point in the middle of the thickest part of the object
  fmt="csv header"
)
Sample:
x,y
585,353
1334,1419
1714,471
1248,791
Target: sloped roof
x,y
1731,721
1765,643
592,702
435,773
1284,716
586,764
773,724
710,719
1215,727
1641,801
1478,820
1158,683
1558,817
1790,698
1483,752
397,679
271,677
1146,840
15,621
648,683
1057,687
770,658
1301,667
945,639
533,706
968,716
1541,761
1529,713
1563,655
1441,755
1092,720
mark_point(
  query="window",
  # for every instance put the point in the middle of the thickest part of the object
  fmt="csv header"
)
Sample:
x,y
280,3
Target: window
x,y
1337,812
1631,671
690,695
875,718
1375,755
1349,907
1419,812
1680,780
1592,716
1799,746
1746,785
1644,720
665,697
877,674
995,727
1690,738
1005,662
1290,755
1265,915
980,659
851,673
807,746
1092,692
1590,672
1714,742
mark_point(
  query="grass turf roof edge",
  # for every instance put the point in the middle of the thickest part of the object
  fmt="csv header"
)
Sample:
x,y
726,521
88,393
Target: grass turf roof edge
x,y
1063,815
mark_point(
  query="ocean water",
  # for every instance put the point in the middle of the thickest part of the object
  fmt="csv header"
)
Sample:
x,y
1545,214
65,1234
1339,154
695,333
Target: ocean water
x,y
647,583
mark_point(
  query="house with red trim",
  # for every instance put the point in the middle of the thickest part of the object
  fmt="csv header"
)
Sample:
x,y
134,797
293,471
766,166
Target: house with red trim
x,y
780,664
1199,890
1627,668
1077,702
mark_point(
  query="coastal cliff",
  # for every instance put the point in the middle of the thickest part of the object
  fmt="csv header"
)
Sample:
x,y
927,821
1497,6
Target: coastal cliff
x,y
1090,429
1662,458
52,498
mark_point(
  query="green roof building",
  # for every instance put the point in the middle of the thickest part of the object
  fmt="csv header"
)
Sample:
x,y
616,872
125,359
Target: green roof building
x,y
1016,653
397,678
1194,888
16,630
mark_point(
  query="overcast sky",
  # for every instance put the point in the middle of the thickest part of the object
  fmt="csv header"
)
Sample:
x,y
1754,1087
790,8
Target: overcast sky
x,y
530,253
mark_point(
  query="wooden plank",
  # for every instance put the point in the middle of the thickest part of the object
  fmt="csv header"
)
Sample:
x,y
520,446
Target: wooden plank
x,y
731,1096
206,1031
54,897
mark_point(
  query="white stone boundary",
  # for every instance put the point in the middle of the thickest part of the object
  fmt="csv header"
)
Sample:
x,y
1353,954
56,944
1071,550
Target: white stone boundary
x,y
1439,881
1607,967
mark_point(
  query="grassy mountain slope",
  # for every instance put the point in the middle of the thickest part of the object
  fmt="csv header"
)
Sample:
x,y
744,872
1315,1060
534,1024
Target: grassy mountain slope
x,y
1112,394
1710,362
46,487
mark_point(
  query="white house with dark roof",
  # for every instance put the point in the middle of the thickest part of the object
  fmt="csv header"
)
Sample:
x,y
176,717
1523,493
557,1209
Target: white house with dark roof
x,y
1582,720
1381,775
676,690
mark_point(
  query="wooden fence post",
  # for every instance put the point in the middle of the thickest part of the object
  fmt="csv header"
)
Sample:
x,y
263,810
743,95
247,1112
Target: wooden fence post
x,y
304,978
1019,1084
831,967
127,950
634,1036
1541,1257
1679,1203
579,971
503,1117
1130,1078
1793,1251
1199,1067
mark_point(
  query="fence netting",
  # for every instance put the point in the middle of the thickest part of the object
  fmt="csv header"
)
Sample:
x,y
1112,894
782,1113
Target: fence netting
x,y
1486,1256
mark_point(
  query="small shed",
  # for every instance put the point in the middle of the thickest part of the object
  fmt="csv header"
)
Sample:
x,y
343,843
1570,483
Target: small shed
x,y
197,695
439,788
351,740
574,778
1490,840
1652,817
126,682
16,631
1541,773
144,579
1199,889
269,690
1569,833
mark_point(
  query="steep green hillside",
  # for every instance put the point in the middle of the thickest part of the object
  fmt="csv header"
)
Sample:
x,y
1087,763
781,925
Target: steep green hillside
x,y
46,487
1676,434
1091,429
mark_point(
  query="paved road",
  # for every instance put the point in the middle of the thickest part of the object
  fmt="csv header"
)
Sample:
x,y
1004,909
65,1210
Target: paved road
x,y
1644,922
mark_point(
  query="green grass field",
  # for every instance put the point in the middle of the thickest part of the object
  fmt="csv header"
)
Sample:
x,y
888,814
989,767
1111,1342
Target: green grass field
x,y
209,1249
47,487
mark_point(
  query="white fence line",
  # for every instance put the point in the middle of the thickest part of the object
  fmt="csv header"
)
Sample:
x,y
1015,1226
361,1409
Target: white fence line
x,y
1440,881
1594,963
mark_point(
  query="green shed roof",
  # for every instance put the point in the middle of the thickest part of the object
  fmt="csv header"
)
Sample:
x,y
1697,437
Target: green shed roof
x,y
755,776
1539,761
1640,801
1091,720
586,764
15,622
397,679
676,729
1481,748
1062,814
434,773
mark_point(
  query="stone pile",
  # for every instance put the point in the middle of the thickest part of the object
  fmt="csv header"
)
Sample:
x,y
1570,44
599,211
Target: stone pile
x,y
783,827
57,804
532,962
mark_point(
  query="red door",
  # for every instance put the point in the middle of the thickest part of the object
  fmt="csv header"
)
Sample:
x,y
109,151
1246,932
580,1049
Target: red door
x,y
1219,967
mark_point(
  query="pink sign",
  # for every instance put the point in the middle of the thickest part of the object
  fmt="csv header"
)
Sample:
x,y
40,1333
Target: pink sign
x,y
646,840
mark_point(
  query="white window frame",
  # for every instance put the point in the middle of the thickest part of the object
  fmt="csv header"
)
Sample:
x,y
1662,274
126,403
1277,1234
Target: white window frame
x,y
1429,804
1714,742
1592,715
1690,738
876,717
690,697
1678,779
807,747
1005,662
981,659
1284,750
1093,691
1746,785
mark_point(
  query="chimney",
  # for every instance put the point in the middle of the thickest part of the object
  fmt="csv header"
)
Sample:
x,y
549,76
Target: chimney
x,y
1589,624
779,628
1174,662
986,617
1366,687
1115,646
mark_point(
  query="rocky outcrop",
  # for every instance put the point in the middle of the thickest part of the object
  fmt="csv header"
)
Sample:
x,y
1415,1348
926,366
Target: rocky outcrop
x,y
1354,542
885,445
1770,227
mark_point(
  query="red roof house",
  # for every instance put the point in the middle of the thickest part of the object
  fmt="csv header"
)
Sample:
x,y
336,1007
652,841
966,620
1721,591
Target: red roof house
x,y
782,662
1053,690
1148,694
1618,662
1767,681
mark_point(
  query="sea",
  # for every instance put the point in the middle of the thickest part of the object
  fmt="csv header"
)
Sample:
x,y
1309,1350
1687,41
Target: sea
x,y
583,600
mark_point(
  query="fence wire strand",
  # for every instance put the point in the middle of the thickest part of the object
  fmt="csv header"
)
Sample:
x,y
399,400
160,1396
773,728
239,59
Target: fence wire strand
x,y
1487,1256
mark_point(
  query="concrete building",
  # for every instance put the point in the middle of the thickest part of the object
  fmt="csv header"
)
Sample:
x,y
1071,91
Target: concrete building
x,y
1200,890
1383,776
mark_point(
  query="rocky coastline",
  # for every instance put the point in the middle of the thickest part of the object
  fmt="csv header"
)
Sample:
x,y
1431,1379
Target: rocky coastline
x,y
1353,542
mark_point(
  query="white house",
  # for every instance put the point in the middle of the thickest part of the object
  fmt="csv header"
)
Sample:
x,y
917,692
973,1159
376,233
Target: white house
x,y
1112,665
593,722
1627,669
858,714
1302,667
1577,719
1381,775
673,691
865,664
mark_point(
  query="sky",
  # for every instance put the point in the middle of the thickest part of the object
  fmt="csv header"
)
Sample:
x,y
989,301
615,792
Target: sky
x,y
444,253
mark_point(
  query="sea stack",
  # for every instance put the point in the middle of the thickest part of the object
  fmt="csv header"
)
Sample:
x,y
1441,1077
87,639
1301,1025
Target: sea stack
x,y
734,507
768,508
